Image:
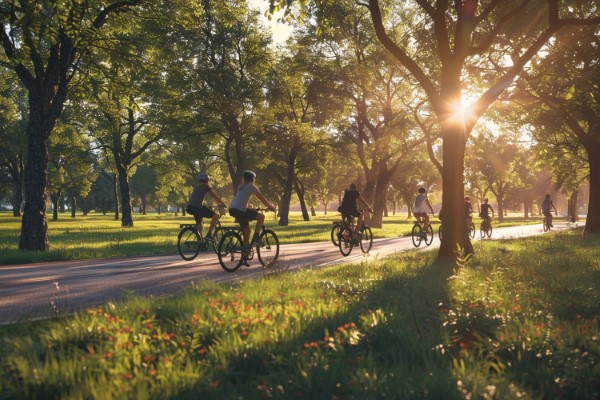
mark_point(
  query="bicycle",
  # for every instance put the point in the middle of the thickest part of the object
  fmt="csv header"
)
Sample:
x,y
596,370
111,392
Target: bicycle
x,y
547,225
348,237
470,230
418,236
232,252
485,230
335,232
190,242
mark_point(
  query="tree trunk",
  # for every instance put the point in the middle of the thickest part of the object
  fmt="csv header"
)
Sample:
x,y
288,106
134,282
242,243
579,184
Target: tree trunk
x,y
299,188
409,206
525,210
143,200
183,210
592,223
17,197
54,198
381,189
456,235
158,208
312,211
74,206
289,182
126,212
325,208
500,209
573,213
34,227
284,212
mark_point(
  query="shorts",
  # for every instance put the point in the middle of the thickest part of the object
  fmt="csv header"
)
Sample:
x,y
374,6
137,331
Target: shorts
x,y
547,214
243,217
353,212
200,212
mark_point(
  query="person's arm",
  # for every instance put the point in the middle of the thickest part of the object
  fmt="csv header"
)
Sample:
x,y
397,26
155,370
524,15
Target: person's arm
x,y
555,212
217,198
364,203
492,210
429,205
264,201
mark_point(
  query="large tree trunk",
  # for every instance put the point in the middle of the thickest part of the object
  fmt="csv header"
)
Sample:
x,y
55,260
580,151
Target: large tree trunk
x,y
500,208
592,223
34,227
381,189
143,200
456,235
572,208
126,214
284,212
289,181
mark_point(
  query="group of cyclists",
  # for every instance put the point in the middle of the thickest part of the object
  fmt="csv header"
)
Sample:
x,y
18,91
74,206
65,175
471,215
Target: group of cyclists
x,y
352,206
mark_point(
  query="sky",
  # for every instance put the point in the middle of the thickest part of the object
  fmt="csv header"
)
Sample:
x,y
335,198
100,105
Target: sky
x,y
279,31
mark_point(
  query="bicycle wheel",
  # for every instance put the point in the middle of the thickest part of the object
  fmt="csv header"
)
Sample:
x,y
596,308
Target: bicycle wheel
x,y
482,231
489,231
440,232
230,251
346,241
366,240
217,234
416,235
335,234
268,251
472,230
546,225
429,237
188,243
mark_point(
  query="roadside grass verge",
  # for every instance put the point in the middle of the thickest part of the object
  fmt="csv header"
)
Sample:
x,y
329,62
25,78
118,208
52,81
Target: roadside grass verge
x,y
521,320
99,236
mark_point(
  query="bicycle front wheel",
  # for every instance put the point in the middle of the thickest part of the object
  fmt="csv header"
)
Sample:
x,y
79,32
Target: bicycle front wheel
x,y
416,235
429,237
230,251
472,230
546,225
335,234
489,231
346,241
268,251
366,240
188,243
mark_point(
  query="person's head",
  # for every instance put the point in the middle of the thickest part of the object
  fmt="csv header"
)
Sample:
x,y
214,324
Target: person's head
x,y
249,176
422,190
548,197
353,186
467,198
203,178
486,200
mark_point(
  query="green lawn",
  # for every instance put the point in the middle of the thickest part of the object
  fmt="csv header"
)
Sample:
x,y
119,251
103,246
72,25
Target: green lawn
x,y
98,236
521,320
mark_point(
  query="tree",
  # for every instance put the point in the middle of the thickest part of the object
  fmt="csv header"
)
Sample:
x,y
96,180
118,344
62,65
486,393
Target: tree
x,y
455,48
143,184
565,87
43,42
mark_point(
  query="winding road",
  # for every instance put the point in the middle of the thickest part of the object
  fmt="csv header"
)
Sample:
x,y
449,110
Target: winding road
x,y
27,291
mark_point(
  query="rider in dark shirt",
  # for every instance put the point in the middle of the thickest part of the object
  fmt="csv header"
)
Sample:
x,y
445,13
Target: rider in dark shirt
x,y
485,210
349,205
198,210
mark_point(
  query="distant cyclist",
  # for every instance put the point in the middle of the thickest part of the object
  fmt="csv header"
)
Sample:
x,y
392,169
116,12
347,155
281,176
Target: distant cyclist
x,y
242,213
547,206
350,203
485,210
420,209
198,210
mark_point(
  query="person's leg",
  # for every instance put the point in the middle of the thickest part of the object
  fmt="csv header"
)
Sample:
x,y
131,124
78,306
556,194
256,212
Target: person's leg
x,y
260,220
213,222
246,234
199,225
358,223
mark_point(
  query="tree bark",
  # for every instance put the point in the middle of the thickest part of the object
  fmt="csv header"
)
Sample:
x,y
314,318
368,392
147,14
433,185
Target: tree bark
x,y
289,181
73,206
34,227
573,199
54,198
126,213
456,236
300,191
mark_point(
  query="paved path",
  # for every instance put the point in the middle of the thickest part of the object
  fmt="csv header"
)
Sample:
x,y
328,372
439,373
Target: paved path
x,y
26,291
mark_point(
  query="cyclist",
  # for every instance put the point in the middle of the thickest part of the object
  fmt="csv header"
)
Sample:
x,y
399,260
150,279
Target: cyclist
x,y
547,206
198,210
240,211
349,206
485,210
468,210
420,209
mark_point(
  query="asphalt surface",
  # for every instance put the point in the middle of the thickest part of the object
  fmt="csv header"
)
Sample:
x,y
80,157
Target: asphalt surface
x,y
28,291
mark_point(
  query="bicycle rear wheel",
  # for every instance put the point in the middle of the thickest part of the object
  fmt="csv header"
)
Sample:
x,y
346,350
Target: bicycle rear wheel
x,y
472,230
346,241
188,243
230,251
268,251
366,240
429,237
416,235
546,225
489,231
335,234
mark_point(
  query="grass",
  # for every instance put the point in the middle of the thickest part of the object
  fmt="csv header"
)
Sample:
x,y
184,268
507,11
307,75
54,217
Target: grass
x,y
521,320
98,236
